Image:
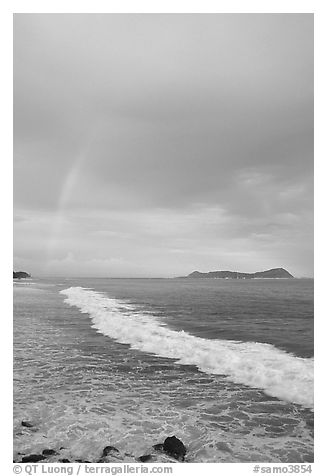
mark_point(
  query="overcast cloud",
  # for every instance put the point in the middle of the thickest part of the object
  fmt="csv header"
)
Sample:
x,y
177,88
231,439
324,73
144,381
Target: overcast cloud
x,y
154,145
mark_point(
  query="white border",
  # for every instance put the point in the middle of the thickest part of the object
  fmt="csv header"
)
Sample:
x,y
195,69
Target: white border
x,y
168,6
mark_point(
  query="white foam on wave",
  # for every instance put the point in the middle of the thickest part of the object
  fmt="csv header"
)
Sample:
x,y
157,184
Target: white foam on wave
x,y
257,365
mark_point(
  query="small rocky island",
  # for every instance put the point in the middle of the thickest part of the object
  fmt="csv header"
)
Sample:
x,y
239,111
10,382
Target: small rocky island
x,y
21,274
275,273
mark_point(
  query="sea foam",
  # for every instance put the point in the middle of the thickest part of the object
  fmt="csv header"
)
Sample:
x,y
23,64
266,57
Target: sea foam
x,y
263,366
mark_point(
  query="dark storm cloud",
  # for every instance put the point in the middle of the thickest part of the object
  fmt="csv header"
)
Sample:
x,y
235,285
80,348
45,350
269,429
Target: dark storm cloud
x,y
178,118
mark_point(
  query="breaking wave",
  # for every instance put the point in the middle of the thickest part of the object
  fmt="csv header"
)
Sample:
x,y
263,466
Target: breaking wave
x,y
263,366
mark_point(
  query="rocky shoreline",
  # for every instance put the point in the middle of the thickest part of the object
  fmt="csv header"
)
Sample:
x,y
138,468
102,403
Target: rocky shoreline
x,y
172,448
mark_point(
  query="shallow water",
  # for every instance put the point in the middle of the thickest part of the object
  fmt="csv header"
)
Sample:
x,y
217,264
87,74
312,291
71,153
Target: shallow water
x,y
93,378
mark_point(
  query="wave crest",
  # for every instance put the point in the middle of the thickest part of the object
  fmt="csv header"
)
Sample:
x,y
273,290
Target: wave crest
x,y
263,366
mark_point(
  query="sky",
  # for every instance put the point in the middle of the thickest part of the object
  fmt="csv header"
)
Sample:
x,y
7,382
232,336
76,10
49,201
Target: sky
x,y
153,145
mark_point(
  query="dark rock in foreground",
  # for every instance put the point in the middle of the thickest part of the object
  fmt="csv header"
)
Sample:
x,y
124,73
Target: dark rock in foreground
x,y
174,447
27,424
49,452
32,458
144,458
109,450
107,453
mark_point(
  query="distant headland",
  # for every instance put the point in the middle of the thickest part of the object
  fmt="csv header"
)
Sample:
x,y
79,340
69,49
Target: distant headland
x,y
21,274
275,273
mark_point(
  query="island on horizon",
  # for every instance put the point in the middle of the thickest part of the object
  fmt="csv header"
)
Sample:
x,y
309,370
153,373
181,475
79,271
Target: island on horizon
x,y
274,273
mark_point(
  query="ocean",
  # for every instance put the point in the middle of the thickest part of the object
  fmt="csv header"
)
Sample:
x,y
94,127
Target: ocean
x,y
225,365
